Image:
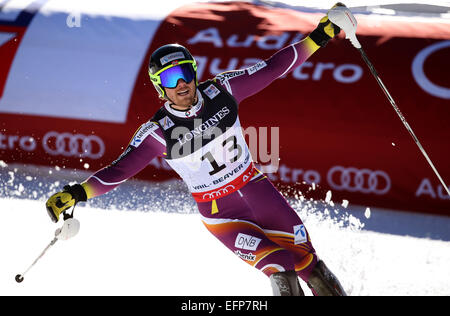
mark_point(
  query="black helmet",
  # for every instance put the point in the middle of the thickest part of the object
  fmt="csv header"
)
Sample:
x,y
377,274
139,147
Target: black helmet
x,y
170,56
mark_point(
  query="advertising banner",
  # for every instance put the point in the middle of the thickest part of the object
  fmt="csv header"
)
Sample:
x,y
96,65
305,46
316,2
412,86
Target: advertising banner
x,y
73,92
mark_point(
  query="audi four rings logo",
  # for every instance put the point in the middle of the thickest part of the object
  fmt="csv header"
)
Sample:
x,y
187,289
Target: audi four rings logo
x,y
419,73
359,180
218,192
70,145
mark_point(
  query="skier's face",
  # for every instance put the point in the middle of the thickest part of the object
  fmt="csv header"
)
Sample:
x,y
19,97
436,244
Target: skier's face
x,y
183,95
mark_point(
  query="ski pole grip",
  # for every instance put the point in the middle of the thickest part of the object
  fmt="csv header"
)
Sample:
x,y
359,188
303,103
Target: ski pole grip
x,y
343,17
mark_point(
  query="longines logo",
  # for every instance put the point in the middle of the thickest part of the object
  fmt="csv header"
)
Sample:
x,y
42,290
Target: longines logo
x,y
202,128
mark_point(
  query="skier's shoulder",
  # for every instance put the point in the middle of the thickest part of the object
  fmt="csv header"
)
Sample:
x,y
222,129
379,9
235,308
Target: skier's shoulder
x,y
224,78
159,114
208,82
150,128
212,87
228,79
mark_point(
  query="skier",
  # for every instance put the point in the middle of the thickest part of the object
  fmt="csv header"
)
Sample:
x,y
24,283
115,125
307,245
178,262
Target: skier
x,y
198,132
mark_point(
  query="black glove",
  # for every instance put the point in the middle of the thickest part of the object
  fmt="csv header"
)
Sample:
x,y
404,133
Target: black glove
x,y
325,30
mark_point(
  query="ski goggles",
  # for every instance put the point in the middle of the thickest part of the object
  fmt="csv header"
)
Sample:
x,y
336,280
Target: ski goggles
x,y
168,77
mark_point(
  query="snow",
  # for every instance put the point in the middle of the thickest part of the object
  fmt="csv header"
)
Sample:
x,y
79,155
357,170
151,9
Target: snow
x,y
135,249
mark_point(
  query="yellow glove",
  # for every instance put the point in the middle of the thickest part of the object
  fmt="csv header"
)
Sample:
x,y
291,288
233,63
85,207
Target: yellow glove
x,y
64,200
325,30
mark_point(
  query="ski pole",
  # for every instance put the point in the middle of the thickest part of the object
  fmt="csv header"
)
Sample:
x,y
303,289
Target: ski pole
x,y
69,229
342,17
20,277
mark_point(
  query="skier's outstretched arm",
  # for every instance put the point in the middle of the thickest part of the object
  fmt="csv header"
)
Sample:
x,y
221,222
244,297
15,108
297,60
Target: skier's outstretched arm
x,y
247,82
146,144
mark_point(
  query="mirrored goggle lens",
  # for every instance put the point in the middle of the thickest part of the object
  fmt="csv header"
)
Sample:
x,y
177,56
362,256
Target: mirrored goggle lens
x,y
170,77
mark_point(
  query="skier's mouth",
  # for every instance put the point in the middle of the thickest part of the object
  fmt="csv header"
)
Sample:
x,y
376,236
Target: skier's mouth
x,y
183,93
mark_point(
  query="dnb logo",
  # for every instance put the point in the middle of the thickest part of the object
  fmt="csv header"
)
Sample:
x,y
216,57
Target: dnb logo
x,y
13,25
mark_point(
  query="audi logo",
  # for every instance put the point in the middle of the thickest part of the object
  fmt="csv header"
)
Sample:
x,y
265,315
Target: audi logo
x,y
419,72
359,180
70,145
218,192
